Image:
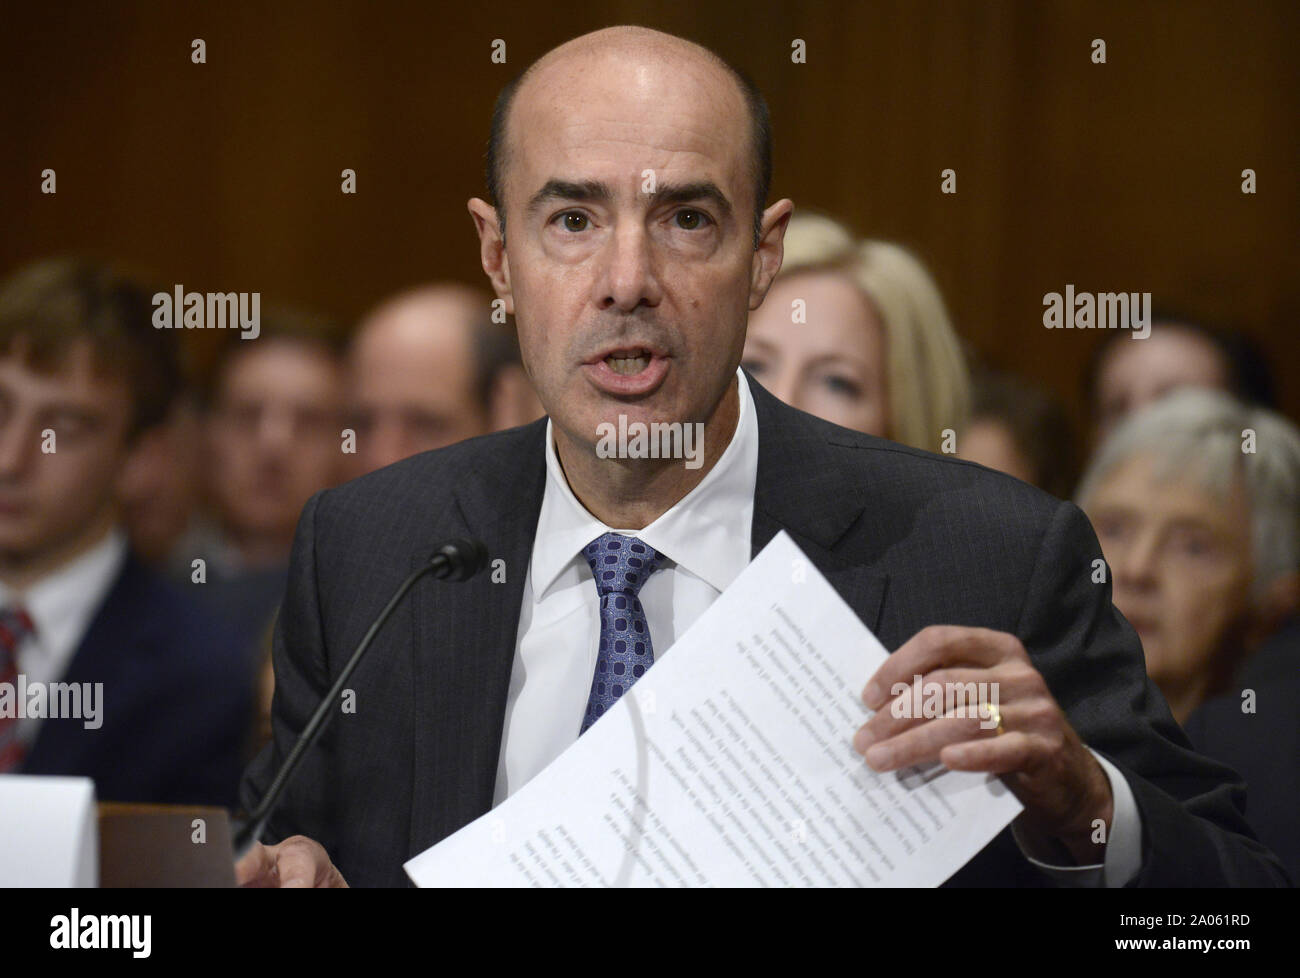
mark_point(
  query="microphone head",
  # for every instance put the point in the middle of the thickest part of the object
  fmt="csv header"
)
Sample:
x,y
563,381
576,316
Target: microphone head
x,y
460,559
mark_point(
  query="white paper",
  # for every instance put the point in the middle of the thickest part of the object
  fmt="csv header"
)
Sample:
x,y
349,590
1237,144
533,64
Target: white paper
x,y
49,832
730,763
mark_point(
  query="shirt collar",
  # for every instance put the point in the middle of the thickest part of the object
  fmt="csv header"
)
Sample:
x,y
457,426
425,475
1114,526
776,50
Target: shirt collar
x,y
706,532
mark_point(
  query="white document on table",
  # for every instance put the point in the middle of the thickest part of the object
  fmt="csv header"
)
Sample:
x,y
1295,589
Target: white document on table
x,y
730,763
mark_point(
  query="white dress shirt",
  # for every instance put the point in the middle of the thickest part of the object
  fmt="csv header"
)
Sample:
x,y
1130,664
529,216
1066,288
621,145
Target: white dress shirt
x,y
62,605
706,541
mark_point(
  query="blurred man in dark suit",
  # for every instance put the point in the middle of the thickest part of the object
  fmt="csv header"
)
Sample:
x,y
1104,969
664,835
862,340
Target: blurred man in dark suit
x,y
628,235
140,690
271,428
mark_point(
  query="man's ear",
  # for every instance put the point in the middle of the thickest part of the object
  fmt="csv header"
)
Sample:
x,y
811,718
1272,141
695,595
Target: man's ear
x,y
492,250
770,250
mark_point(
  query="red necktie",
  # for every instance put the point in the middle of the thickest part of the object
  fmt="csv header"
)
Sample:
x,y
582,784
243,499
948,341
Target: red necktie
x,y
15,625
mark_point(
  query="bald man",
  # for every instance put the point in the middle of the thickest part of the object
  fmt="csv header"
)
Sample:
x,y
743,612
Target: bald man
x,y
428,368
633,302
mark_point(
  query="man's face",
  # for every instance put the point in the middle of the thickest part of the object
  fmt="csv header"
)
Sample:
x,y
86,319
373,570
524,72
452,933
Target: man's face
x,y
55,488
274,434
161,483
832,365
627,301
1181,560
411,389
1137,372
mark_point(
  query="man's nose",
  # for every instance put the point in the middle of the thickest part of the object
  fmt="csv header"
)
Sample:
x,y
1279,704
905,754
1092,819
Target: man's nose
x,y
276,427
1135,567
629,275
387,443
18,442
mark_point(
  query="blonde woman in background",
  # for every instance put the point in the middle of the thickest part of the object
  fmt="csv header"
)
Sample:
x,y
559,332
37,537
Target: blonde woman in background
x,y
856,332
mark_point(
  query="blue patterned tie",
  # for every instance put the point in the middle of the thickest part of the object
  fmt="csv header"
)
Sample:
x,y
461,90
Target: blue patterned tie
x,y
621,565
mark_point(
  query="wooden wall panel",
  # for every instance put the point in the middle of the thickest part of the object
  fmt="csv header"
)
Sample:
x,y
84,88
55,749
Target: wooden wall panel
x,y
1116,177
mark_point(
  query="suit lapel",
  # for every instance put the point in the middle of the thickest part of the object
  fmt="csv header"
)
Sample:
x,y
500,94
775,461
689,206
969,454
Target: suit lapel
x,y
464,641
803,490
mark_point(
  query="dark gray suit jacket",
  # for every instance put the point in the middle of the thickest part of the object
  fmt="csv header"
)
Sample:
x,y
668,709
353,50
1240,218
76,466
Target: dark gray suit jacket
x,y
1265,745
908,538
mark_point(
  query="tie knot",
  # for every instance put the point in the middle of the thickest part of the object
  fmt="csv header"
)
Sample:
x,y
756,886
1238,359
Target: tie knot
x,y
620,564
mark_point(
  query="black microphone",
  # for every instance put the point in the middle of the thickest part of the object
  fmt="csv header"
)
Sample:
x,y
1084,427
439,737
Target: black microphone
x,y
455,560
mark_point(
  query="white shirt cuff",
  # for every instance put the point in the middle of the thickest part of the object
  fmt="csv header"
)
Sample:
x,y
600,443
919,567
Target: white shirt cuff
x,y
1123,849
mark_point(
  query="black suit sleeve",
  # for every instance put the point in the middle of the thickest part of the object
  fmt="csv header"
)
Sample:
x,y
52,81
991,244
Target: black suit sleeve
x,y
1193,830
300,659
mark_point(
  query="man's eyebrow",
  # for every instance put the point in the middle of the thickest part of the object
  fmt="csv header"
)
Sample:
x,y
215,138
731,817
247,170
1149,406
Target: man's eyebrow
x,y
77,411
686,193
1193,523
665,194
589,190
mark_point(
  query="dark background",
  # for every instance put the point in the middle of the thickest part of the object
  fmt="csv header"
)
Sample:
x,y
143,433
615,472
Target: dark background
x,y
1117,177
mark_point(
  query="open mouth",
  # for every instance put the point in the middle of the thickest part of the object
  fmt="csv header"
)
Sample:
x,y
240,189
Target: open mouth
x,y
627,364
628,371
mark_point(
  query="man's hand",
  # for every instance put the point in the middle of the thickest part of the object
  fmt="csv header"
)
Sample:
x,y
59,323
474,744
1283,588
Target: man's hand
x,y
1038,754
295,862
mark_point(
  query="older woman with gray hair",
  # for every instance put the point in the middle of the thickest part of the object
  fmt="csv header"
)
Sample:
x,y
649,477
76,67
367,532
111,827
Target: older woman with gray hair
x,y
1196,502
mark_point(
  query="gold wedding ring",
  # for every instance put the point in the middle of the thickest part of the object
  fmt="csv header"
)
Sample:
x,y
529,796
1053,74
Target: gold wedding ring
x,y
992,711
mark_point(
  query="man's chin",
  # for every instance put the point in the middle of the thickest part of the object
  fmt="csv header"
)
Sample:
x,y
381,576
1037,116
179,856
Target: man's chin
x,y
17,532
18,550
629,418
598,415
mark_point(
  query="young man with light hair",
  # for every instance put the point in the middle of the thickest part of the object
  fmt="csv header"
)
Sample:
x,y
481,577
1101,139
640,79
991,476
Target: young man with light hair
x,y
84,378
